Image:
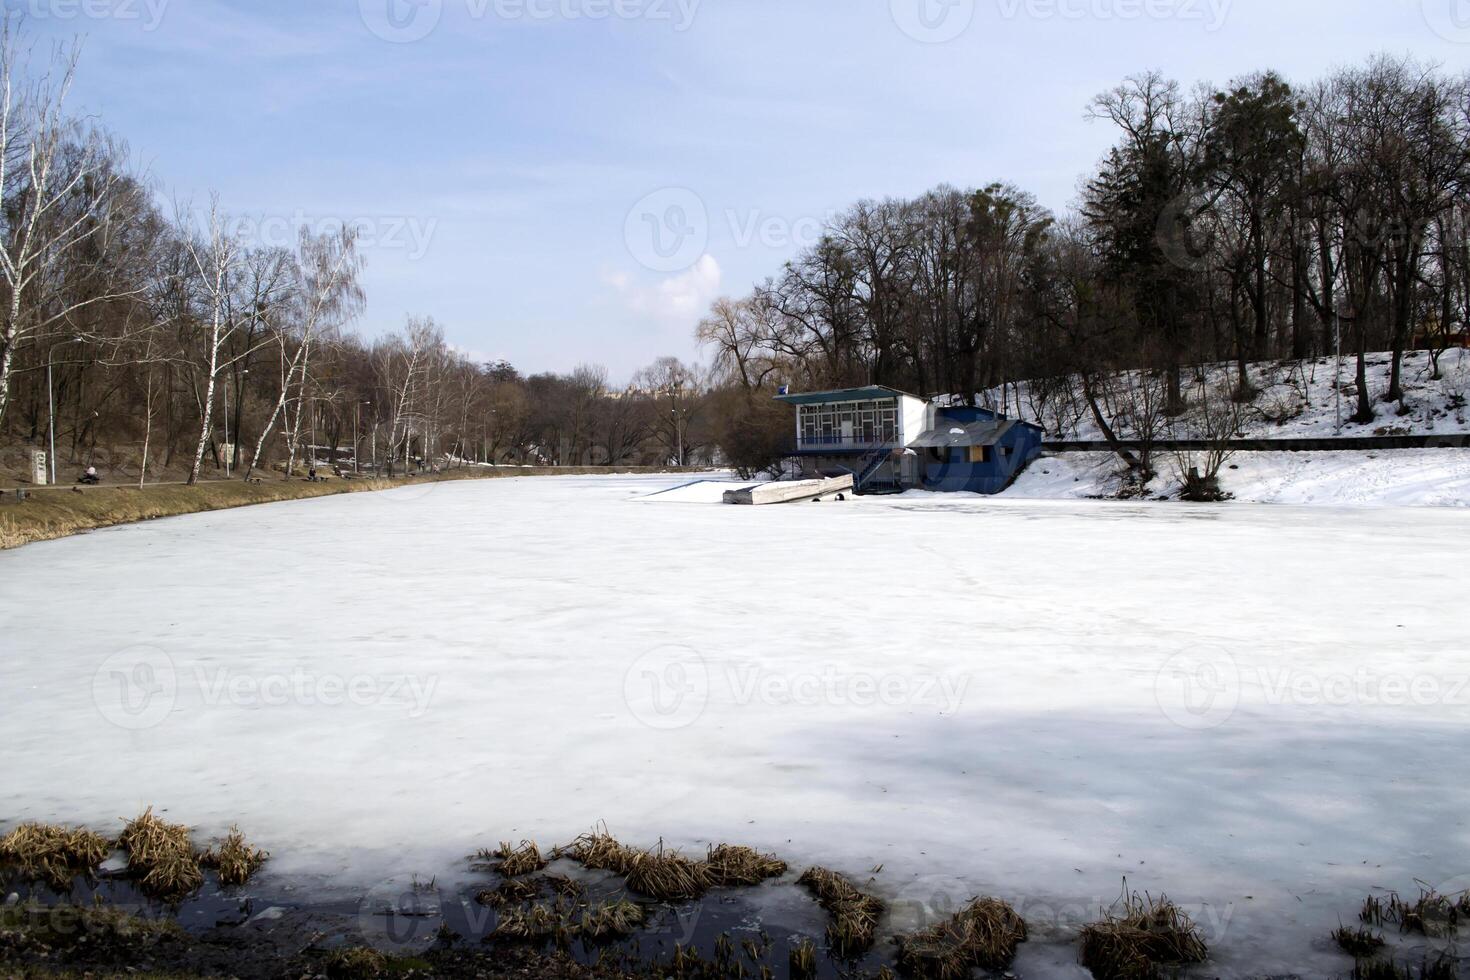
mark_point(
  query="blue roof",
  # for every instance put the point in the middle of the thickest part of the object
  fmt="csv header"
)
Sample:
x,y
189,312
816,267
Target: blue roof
x,y
870,393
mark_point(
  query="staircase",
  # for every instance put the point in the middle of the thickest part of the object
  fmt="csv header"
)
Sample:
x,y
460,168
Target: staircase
x,y
871,464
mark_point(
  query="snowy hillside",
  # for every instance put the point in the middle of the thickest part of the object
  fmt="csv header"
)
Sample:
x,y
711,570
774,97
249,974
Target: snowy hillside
x,y
1296,399
1396,478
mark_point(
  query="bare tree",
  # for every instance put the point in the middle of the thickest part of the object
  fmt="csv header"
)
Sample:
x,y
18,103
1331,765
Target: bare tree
x,y
56,185
214,260
328,296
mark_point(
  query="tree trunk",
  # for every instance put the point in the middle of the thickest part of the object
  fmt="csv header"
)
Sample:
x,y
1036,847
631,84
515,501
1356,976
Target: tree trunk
x,y
208,412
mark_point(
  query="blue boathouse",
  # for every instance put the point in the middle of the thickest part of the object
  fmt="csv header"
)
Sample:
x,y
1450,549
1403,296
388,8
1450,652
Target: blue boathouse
x,y
891,441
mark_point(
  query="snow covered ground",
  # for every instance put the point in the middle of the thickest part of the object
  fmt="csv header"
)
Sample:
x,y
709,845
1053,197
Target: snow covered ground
x,y
1297,400
1399,478
1260,710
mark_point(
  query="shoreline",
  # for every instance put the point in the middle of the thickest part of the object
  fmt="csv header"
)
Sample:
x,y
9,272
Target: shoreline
x,y
284,925
51,513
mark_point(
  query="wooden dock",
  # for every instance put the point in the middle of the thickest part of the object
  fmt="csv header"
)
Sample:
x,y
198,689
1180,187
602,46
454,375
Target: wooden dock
x,y
791,492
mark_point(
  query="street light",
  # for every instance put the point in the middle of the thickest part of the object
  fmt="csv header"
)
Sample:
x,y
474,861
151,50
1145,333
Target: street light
x,y
51,403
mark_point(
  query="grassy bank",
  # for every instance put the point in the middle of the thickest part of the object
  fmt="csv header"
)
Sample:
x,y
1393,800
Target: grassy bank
x,y
59,512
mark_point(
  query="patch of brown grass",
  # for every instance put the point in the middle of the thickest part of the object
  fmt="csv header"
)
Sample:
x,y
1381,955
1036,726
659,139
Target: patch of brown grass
x,y
52,854
235,861
1432,914
667,876
161,856
854,915
731,866
612,920
1357,942
803,961
509,893
509,861
984,934
57,513
536,923
356,964
1139,938
599,851
1441,967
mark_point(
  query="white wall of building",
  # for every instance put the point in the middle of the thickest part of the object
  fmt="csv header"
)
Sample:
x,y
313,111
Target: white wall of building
x,y
913,419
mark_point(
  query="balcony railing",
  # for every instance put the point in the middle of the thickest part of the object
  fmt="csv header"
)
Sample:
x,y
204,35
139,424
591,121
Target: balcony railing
x,y
854,442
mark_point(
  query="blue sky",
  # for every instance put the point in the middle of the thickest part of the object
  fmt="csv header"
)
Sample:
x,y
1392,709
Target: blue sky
x,y
565,181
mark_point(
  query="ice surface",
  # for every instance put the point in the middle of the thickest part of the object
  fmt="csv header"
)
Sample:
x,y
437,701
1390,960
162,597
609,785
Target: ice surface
x,y
1260,710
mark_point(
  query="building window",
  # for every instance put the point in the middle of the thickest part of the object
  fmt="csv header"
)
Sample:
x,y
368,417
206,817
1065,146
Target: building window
x,y
979,454
858,425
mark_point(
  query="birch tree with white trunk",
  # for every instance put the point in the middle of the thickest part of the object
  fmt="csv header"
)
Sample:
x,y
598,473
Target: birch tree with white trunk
x,y
57,183
329,296
214,258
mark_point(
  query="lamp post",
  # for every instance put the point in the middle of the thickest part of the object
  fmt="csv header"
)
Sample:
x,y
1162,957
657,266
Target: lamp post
x,y
51,404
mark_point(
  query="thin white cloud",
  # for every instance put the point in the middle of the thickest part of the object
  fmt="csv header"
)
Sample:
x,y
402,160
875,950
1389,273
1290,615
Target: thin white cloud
x,y
676,300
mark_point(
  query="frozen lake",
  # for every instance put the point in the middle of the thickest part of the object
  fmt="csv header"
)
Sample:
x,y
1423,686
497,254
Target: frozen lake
x,y
1259,710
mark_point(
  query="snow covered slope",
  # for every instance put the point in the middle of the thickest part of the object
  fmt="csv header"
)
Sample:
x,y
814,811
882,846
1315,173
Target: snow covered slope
x,y
1032,699
1297,400
1399,478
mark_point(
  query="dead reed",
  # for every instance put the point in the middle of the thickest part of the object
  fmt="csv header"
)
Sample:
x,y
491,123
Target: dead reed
x,y
235,861
55,855
1357,942
161,856
731,866
854,915
666,875
513,862
612,920
985,934
1141,938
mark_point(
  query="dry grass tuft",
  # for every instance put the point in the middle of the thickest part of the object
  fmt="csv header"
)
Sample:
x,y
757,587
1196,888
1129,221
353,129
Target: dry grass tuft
x,y
54,855
512,862
612,920
235,860
599,851
1140,940
854,915
509,893
984,934
536,923
161,855
1357,942
1432,914
732,866
663,875
1440,968
803,961
356,964
667,876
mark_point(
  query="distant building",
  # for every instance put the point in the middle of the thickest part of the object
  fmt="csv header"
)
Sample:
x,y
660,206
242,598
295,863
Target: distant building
x,y
890,441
